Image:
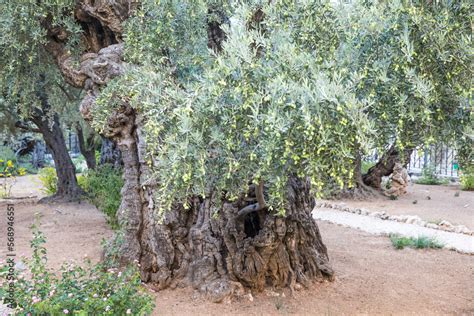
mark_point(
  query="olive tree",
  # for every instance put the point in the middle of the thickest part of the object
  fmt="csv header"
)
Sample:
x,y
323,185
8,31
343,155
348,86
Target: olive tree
x,y
412,62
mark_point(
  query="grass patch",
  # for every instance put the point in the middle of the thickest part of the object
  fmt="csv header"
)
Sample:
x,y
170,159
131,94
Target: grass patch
x,y
420,242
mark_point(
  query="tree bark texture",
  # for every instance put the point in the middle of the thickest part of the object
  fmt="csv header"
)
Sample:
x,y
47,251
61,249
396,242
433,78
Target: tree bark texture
x,y
359,190
384,167
110,153
87,148
67,187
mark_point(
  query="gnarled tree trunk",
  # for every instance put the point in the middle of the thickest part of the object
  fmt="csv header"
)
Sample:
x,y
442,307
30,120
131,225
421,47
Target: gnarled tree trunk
x,y
384,167
218,251
67,187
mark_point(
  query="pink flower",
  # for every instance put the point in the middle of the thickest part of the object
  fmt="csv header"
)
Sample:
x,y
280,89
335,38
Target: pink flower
x,y
65,311
35,299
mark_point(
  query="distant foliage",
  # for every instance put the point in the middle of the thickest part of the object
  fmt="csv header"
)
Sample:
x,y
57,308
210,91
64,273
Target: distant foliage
x,y
429,176
76,290
6,154
366,165
79,163
103,187
49,179
467,179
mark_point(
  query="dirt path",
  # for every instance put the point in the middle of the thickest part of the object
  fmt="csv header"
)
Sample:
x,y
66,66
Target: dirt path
x,y
433,203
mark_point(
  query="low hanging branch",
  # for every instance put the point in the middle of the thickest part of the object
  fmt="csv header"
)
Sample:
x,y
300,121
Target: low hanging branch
x,y
261,204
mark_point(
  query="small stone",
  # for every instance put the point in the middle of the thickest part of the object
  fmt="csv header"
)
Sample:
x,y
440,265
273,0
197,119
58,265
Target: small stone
x,y
445,224
431,225
271,293
375,214
283,295
250,297
412,219
20,266
461,229
298,287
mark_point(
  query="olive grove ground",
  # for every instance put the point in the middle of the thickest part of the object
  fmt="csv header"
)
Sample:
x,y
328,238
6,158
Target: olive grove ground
x,y
371,276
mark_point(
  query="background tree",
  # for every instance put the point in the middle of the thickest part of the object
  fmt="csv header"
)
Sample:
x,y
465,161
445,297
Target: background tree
x,y
412,62
43,119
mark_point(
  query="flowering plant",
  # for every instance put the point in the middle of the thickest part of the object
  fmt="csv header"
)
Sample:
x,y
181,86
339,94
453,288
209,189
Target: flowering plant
x,y
8,172
76,290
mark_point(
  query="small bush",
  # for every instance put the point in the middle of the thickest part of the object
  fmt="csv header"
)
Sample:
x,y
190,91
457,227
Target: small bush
x,y
428,176
49,179
6,153
467,179
9,170
420,242
103,187
93,290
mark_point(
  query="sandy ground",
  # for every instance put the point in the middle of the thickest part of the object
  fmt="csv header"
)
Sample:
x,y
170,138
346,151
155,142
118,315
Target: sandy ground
x,y
372,277
72,230
433,204
27,186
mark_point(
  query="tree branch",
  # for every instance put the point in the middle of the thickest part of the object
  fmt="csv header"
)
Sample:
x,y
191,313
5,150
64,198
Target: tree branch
x,y
27,128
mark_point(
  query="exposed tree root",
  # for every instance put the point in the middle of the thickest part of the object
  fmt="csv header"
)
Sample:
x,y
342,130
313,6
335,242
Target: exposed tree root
x,y
67,197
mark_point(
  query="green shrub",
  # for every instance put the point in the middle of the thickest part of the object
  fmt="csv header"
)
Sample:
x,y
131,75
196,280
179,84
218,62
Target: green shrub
x,y
428,176
420,242
9,170
103,187
30,169
49,179
76,290
467,179
6,153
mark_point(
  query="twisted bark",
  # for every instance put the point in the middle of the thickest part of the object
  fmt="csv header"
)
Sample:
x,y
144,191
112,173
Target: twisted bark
x,y
384,167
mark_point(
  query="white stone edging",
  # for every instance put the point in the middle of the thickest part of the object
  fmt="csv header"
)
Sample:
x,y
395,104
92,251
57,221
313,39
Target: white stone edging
x,y
409,219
